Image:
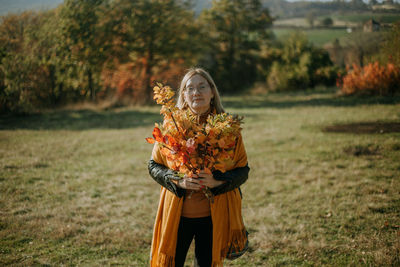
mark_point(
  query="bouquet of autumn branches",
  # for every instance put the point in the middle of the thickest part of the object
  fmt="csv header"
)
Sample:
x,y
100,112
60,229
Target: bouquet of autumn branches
x,y
189,146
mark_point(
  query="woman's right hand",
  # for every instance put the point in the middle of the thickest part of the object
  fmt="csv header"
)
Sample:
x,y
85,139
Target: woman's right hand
x,y
190,183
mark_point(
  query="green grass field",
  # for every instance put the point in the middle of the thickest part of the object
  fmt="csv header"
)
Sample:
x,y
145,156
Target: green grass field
x,y
360,18
323,188
353,19
318,37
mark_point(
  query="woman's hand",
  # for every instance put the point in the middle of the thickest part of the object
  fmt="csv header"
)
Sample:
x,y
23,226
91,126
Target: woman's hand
x,y
207,179
190,183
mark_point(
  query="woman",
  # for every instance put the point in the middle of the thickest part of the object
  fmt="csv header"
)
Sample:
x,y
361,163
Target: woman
x,y
184,211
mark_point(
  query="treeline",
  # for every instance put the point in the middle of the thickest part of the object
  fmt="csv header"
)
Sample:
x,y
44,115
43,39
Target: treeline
x,y
89,50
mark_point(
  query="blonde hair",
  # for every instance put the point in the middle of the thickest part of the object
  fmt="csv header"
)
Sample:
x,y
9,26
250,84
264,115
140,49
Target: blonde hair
x,y
215,101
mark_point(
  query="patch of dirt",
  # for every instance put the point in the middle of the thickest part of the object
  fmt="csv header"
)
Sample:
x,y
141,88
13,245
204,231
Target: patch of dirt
x,y
364,128
360,150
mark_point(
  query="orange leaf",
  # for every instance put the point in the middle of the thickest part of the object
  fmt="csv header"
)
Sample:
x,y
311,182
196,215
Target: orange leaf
x,y
221,143
201,138
150,140
220,166
157,134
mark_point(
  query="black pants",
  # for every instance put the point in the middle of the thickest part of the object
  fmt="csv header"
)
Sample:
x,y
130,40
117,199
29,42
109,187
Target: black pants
x,y
201,230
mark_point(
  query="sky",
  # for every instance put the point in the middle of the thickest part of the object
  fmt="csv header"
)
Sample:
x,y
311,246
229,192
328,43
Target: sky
x,y
20,5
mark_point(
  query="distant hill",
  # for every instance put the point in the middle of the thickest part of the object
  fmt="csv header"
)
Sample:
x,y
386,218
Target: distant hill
x,y
285,9
278,8
17,6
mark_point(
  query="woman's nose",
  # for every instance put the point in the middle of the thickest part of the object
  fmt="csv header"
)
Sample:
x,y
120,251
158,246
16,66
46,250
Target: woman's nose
x,y
196,91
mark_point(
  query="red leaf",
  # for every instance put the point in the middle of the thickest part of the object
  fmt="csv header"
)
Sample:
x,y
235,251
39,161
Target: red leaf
x,y
157,135
166,139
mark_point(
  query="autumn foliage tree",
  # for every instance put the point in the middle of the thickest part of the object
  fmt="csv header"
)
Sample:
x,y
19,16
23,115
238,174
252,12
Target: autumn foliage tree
x,y
156,32
59,56
127,78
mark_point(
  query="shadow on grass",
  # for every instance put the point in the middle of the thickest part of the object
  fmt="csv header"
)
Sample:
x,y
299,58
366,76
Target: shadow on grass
x,y
114,119
280,100
79,120
364,128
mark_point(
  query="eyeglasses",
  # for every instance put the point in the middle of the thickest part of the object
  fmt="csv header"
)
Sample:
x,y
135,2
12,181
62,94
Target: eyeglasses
x,y
202,88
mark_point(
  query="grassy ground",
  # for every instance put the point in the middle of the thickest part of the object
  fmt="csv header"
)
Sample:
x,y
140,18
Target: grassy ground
x,y
74,187
361,18
318,37
350,20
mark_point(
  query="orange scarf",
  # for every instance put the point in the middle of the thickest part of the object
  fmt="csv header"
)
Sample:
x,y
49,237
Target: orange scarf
x,y
229,234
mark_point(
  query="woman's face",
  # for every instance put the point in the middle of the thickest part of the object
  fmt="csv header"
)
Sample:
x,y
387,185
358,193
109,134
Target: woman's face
x,y
198,94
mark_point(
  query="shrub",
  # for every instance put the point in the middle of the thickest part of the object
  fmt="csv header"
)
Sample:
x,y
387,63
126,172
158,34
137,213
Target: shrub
x,y
327,22
287,77
300,66
327,75
372,79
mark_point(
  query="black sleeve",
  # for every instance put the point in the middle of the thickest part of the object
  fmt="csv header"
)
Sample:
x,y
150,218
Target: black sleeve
x,y
163,176
233,179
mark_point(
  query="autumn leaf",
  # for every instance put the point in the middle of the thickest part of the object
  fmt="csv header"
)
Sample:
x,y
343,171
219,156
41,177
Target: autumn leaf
x,y
215,152
193,161
157,134
220,166
221,143
200,138
191,145
150,140
166,139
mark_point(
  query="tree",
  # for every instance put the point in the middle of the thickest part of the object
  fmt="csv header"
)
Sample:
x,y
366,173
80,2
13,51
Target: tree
x,y
79,26
358,3
327,22
12,29
44,46
391,45
372,2
310,17
157,32
300,65
363,47
15,65
236,29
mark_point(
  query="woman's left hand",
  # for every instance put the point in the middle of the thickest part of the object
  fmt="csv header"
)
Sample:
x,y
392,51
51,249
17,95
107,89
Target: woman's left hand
x,y
207,179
